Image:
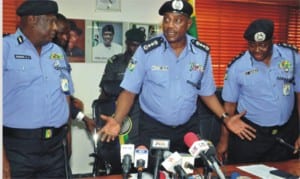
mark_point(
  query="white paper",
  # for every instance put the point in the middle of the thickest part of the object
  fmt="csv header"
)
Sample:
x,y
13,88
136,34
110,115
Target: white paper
x,y
260,170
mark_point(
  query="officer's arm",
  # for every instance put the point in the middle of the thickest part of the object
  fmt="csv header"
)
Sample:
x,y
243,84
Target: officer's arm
x,y
297,143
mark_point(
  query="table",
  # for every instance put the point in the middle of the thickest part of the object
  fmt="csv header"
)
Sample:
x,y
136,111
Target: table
x,y
290,166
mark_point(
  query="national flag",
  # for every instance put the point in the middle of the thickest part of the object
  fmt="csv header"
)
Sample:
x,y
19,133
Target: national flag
x,y
193,29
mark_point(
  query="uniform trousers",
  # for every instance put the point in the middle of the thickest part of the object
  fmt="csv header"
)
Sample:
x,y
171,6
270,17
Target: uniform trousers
x,y
150,128
33,157
265,147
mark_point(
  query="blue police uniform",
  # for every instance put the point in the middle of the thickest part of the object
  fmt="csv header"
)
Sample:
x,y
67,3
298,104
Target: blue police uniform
x,y
35,108
266,93
33,91
169,85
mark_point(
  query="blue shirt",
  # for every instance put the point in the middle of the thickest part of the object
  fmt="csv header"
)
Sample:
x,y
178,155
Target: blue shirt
x,y
167,83
259,89
32,87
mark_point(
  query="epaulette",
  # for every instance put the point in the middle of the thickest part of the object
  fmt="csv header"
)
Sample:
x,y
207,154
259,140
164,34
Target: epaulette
x,y
290,46
235,59
111,59
200,45
152,44
20,39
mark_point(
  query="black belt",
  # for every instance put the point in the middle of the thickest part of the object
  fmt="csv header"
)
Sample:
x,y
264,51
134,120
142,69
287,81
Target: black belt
x,y
271,130
43,133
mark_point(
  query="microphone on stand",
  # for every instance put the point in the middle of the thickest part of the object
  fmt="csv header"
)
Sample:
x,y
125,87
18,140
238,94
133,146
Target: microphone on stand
x,y
205,149
157,147
172,163
283,142
140,160
127,153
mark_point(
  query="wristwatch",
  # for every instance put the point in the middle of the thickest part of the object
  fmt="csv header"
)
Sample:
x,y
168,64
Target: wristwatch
x,y
224,116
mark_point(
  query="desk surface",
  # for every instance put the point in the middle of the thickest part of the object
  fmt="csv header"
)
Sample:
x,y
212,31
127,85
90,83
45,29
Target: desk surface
x,y
291,166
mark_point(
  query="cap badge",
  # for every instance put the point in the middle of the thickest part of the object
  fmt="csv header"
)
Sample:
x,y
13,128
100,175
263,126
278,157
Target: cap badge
x,y
177,5
259,36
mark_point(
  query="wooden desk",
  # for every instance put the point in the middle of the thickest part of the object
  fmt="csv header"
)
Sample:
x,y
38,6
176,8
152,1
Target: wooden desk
x,y
291,166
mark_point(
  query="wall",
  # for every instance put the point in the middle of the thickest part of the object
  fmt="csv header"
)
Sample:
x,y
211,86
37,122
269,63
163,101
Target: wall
x,y
86,76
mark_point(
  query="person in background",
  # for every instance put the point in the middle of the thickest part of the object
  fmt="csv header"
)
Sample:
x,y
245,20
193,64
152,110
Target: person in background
x,y
76,106
36,89
117,64
263,81
73,50
110,89
108,48
169,72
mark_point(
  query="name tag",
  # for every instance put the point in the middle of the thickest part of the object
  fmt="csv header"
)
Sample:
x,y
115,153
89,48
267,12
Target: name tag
x,y
25,57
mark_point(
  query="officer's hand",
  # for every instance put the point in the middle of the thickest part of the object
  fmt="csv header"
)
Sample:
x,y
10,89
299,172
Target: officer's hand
x,y
239,127
110,130
90,124
78,103
297,145
222,147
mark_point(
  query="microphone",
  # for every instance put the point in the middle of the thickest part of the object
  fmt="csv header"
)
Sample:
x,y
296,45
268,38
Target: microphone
x,y
157,147
188,163
282,141
140,159
196,146
171,160
127,153
172,163
205,149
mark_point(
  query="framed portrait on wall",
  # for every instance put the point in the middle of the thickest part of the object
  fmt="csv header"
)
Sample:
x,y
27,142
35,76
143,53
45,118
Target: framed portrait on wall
x,y
151,30
76,46
105,40
108,5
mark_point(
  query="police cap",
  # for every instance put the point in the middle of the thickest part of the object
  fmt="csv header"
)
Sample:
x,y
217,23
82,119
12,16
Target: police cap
x,y
37,7
136,35
180,6
259,30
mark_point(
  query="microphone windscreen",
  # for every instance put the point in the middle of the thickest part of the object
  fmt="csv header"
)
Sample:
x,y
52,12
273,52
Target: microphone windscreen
x,y
166,154
162,175
190,138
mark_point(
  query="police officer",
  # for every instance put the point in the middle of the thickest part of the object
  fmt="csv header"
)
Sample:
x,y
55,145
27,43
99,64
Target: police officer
x,y
262,81
116,65
36,85
110,89
169,72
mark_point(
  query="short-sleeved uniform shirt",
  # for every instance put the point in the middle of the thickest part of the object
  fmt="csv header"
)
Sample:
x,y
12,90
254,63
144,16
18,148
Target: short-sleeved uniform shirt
x,y
169,85
266,93
34,86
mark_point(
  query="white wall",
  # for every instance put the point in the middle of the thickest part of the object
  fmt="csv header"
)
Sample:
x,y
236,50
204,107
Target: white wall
x,y
86,76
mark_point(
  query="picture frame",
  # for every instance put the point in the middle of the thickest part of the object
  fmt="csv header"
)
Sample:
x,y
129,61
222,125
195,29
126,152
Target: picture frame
x,y
76,46
108,5
151,30
102,47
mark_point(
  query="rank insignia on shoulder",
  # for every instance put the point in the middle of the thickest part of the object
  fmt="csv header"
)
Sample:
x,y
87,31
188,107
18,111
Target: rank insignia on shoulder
x,y
290,46
200,45
110,60
235,59
152,44
20,39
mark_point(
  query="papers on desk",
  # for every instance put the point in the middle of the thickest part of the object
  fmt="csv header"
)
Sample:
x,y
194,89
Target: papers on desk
x,y
260,170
